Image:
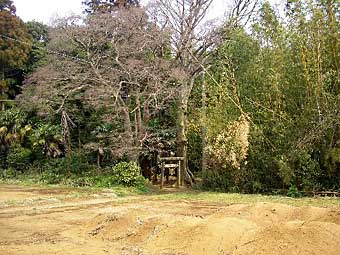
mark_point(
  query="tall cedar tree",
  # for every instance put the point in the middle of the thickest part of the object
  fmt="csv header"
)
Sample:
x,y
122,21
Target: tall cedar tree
x,y
107,6
13,54
40,38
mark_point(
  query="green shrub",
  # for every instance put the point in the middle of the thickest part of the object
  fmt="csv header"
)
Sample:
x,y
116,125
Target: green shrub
x,y
109,181
74,164
77,164
307,171
3,157
19,158
293,192
216,180
8,173
50,177
127,174
104,181
47,140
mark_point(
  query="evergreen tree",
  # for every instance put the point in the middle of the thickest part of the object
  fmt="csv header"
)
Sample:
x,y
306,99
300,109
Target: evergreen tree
x,y
40,38
14,50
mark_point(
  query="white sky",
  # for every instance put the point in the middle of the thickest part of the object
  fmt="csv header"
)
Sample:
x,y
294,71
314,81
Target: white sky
x,y
44,10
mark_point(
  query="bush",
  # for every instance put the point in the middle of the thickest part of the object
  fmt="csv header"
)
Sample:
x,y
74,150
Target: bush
x,y
216,180
19,158
7,173
293,192
3,157
127,174
74,164
307,171
104,181
47,140
49,177
80,181
73,170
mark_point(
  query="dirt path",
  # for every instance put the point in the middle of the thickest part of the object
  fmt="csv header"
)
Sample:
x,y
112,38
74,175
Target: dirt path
x,y
68,221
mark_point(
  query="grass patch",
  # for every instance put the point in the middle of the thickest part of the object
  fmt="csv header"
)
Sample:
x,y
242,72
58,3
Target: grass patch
x,y
70,191
235,198
153,193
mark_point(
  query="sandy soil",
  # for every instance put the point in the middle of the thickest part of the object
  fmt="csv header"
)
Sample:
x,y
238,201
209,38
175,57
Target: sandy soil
x,y
61,221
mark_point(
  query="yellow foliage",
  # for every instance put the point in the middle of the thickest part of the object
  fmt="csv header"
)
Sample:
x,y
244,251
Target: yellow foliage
x,y
3,131
230,147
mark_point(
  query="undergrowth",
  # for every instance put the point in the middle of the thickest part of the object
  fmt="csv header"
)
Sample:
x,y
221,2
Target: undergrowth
x,y
121,176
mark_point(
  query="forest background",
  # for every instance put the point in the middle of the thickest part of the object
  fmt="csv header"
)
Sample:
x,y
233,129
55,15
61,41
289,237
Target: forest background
x,y
251,103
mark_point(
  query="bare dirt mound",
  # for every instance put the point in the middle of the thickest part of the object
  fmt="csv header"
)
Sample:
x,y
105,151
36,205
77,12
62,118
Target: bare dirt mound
x,y
52,222
133,227
262,228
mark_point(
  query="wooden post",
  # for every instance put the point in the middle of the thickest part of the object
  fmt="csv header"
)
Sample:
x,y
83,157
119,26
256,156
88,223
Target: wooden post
x,y
171,159
180,169
178,174
162,174
183,171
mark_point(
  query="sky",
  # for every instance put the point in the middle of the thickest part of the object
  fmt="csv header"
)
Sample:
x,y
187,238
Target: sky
x,y
45,10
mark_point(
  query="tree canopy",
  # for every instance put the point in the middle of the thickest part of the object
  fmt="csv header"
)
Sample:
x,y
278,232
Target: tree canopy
x,y
14,49
108,6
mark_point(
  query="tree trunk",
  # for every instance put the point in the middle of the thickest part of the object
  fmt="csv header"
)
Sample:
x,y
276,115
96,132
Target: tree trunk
x,y
181,135
204,127
2,78
182,122
140,126
66,132
129,142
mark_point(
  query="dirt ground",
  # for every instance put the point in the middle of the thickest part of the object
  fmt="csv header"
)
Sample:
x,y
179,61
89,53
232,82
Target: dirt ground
x,y
65,221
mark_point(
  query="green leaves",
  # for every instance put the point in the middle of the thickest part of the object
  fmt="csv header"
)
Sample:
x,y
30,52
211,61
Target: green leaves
x,y
19,158
284,74
128,174
47,139
15,46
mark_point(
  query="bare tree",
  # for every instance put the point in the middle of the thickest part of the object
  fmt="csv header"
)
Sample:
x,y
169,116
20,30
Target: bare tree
x,y
110,61
191,43
241,11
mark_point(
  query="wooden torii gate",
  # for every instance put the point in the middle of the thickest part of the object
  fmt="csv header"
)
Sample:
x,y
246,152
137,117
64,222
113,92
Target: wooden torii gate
x,y
167,162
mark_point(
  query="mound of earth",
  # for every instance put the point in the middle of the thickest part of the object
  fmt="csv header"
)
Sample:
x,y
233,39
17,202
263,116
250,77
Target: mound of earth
x,y
262,228
35,221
